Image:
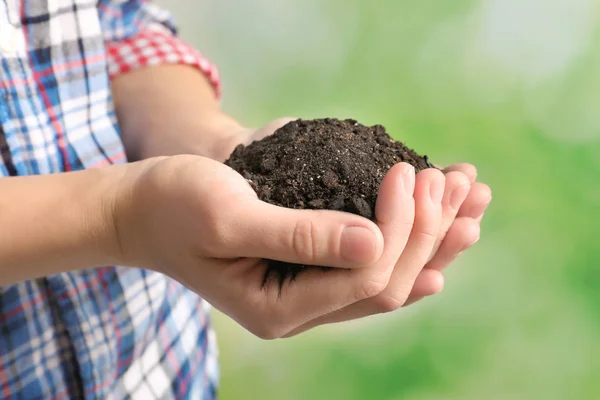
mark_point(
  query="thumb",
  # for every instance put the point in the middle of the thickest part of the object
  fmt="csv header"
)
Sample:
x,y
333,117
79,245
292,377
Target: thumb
x,y
309,237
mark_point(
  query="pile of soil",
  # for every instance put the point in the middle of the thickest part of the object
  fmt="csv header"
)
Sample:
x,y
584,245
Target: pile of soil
x,y
321,164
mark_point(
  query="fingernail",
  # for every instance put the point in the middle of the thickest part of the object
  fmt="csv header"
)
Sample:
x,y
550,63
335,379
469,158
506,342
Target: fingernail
x,y
436,190
357,244
409,180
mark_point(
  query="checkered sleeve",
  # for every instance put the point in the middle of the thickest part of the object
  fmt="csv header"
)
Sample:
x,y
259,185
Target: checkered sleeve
x,y
139,34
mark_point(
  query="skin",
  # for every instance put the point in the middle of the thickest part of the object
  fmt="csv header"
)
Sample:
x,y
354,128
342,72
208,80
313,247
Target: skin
x,y
181,212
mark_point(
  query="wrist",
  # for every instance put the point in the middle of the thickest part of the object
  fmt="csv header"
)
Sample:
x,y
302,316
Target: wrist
x,y
123,202
103,198
98,195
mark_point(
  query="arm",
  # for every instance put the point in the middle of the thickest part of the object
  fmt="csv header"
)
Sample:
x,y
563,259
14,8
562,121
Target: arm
x,y
56,223
172,107
170,110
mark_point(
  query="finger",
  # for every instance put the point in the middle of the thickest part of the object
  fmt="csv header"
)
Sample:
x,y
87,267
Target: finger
x,y
271,127
428,195
308,237
457,189
477,201
315,293
467,169
395,212
429,192
462,235
428,283
412,300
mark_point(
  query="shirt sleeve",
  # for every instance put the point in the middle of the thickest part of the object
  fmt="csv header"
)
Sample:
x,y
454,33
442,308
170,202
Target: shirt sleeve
x,y
138,34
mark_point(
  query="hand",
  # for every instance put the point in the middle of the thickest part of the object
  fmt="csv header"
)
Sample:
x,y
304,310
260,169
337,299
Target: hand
x,y
407,245
464,204
199,222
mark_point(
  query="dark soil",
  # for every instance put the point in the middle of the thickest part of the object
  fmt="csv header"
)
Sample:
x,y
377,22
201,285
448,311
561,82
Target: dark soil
x,y
321,164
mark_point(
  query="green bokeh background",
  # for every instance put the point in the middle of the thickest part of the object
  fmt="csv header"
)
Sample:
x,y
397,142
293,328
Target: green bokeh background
x,y
512,86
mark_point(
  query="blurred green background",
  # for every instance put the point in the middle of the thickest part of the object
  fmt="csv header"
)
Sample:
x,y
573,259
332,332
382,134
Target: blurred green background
x,y
512,86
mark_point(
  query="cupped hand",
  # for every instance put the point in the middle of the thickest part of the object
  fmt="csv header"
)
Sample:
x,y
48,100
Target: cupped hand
x,y
411,225
199,222
463,205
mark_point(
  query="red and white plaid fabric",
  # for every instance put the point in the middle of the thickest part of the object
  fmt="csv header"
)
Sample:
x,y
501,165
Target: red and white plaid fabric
x,y
157,47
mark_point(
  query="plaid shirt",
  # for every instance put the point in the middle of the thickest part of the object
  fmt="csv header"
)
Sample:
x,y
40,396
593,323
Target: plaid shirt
x,y
110,332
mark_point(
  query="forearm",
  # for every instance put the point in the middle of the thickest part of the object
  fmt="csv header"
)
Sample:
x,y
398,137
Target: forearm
x,y
171,109
57,223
